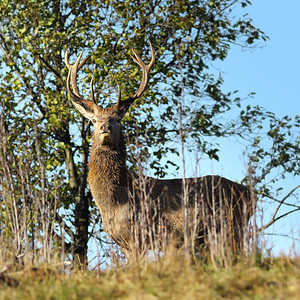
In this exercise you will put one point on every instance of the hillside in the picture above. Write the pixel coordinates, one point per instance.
(168, 279)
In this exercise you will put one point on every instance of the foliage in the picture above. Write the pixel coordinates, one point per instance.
(187, 36)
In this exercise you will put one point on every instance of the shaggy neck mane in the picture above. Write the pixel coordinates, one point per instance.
(108, 174)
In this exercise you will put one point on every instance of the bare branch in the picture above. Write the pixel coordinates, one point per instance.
(274, 218)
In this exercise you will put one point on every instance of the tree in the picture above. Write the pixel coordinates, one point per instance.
(187, 36)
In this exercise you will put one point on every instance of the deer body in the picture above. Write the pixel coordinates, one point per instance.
(116, 191)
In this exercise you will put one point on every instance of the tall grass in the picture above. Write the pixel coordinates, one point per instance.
(210, 229)
(225, 262)
(29, 202)
(33, 232)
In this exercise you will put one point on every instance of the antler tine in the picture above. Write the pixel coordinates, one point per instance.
(92, 92)
(73, 69)
(119, 94)
(145, 78)
(73, 73)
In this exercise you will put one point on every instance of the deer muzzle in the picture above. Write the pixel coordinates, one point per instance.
(105, 129)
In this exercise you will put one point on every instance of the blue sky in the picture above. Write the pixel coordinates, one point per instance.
(273, 73)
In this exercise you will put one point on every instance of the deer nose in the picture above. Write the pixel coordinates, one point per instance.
(105, 128)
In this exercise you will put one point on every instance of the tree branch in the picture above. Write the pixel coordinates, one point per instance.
(274, 218)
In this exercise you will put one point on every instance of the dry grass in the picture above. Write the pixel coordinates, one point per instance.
(169, 278)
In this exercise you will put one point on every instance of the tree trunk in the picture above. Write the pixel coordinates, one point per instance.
(81, 199)
(81, 231)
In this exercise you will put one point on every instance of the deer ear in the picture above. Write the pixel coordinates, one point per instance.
(86, 111)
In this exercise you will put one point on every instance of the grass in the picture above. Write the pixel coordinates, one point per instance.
(169, 279)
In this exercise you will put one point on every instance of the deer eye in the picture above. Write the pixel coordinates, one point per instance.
(94, 121)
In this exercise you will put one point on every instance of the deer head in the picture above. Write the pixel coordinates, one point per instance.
(106, 121)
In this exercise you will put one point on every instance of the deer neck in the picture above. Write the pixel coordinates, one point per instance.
(108, 175)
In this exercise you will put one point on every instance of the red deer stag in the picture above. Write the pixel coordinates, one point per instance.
(117, 192)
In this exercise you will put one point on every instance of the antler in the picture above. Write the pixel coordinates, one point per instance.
(121, 105)
(73, 69)
(145, 78)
